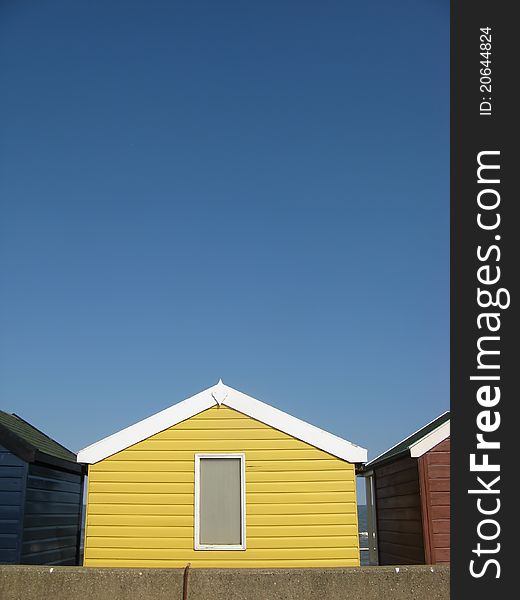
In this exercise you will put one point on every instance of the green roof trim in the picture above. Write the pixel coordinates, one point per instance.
(404, 446)
(33, 437)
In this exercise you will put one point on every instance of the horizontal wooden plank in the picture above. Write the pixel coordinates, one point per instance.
(441, 526)
(385, 558)
(212, 424)
(308, 509)
(222, 445)
(10, 512)
(280, 471)
(96, 508)
(441, 555)
(252, 509)
(256, 498)
(10, 460)
(11, 471)
(306, 487)
(400, 526)
(174, 465)
(56, 474)
(440, 512)
(253, 531)
(218, 413)
(404, 476)
(251, 487)
(437, 458)
(49, 520)
(261, 520)
(439, 485)
(412, 553)
(11, 484)
(250, 430)
(176, 477)
(395, 466)
(407, 501)
(34, 495)
(253, 455)
(43, 533)
(190, 555)
(139, 520)
(40, 508)
(396, 514)
(8, 541)
(297, 542)
(9, 526)
(441, 540)
(39, 483)
(410, 487)
(229, 563)
(440, 498)
(300, 497)
(10, 498)
(414, 540)
(139, 487)
(186, 543)
(8, 555)
(61, 556)
(45, 545)
(252, 476)
(438, 472)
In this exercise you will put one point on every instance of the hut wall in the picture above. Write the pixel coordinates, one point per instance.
(52, 516)
(398, 509)
(434, 469)
(300, 501)
(13, 472)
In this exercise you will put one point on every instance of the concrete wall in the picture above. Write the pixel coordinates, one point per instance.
(365, 583)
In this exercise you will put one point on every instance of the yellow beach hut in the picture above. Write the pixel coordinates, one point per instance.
(222, 480)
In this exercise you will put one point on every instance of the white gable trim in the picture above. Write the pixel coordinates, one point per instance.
(223, 394)
(430, 441)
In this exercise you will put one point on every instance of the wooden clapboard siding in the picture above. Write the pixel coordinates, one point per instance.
(52, 516)
(398, 509)
(301, 506)
(13, 472)
(434, 469)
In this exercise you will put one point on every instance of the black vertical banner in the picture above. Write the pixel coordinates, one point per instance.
(485, 251)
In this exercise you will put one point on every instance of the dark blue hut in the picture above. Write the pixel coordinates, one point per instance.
(41, 489)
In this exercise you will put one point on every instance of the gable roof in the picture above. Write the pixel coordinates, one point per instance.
(227, 396)
(418, 443)
(29, 443)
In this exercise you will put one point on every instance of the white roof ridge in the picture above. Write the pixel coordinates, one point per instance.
(217, 395)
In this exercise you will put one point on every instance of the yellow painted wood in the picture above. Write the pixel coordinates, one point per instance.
(141, 478)
(217, 556)
(255, 455)
(254, 476)
(303, 498)
(190, 446)
(300, 501)
(261, 487)
(141, 520)
(242, 433)
(184, 543)
(311, 532)
(277, 522)
(118, 465)
(230, 563)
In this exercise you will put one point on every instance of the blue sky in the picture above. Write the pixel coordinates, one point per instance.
(257, 191)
